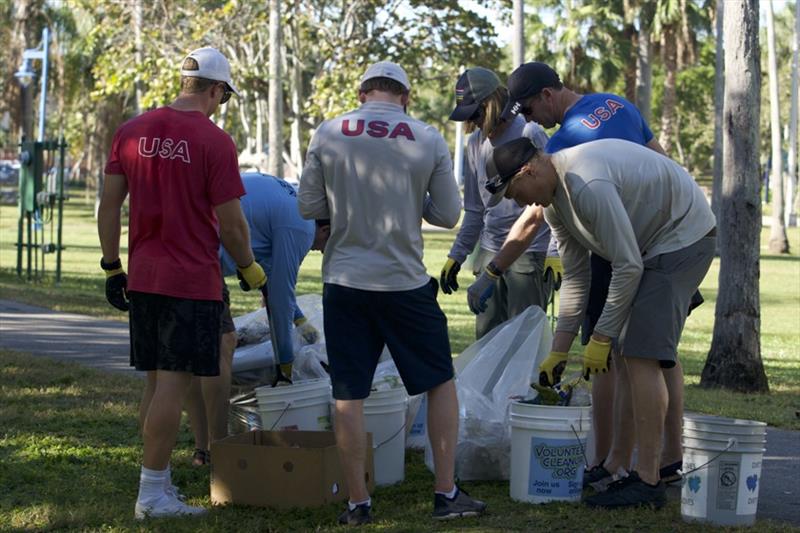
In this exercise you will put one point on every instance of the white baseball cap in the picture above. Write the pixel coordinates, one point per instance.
(212, 66)
(387, 69)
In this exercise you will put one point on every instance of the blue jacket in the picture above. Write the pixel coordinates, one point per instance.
(280, 239)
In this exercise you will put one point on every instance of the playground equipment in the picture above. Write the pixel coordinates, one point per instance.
(41, 206)
(41, 203)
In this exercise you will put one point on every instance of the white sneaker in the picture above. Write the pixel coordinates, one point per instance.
(173, 491)
(165, 505)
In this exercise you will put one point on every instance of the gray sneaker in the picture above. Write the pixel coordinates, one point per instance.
(460, 505)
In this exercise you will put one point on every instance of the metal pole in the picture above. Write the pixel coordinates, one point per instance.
(458, 157)
(62, 145)
(43, 98)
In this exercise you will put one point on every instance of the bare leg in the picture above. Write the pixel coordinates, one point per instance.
(443, 433)
(673, 425)
(624, 432)
(351, 440)
(163, 417)
(147, 396)
(195, 408)
(649, 395)
(602, 412)
(217, 390)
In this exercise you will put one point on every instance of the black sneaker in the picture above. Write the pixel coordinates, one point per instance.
(595, 474)
(358, 516)
(671, 473)
(630, 491)
(460, 505)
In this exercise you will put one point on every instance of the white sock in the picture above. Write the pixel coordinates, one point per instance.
(449, 495)
(352, 505)
(168, 477)
(151, 484)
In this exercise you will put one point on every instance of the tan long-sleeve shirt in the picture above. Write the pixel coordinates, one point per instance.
(376, 173)
(625, 203)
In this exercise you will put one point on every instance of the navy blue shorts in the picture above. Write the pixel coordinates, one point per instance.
(175, 334)
(411, 324)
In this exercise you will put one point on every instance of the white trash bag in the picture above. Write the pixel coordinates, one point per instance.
(495, 369)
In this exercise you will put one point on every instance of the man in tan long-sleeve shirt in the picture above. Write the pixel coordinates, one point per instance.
(376, 173)
(645, 214)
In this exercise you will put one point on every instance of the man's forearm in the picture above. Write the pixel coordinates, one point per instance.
(236, 240)
(109, 229)
(519, 237)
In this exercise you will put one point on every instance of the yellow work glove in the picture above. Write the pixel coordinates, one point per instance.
(553, 270)
(449, 277)
(596, 357)
(306, 330)
(551, 368)
(251, 277)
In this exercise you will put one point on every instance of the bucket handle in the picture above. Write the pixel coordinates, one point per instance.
(288, 405)
(731, 443)
(578, 440)
(376, 446)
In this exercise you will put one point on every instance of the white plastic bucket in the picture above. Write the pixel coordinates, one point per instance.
(303, 406)
(547, 452)
(722, 460)
(385, 418)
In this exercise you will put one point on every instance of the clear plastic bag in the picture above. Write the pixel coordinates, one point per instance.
(497, 369)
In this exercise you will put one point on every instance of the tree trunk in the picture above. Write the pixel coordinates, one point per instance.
(644, 70)
(778, 243)
(138, 52)
(792, 178)
(630, 35)
(734, 360)
(296, 141)
(518, 40)
(275, 166)
(670, 51)
(719, 96)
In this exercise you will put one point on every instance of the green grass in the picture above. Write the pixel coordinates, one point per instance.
(69, 456)
(69, 449)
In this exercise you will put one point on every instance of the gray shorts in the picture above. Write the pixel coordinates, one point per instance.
(662, 302)
(227, 319)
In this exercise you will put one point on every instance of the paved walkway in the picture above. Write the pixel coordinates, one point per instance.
(103, 344)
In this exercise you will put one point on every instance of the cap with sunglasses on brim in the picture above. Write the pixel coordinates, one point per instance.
(507, 159)
(472, 88)
(527, 81)
(212, 65)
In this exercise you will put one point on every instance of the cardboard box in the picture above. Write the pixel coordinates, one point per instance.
(280, 469)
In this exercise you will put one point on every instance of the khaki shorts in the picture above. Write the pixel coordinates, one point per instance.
(662, 302)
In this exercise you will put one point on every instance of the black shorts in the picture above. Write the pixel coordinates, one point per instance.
(411, 324)
(175, 334)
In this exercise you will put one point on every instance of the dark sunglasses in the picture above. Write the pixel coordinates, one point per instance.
(225, 95)
(477, 116)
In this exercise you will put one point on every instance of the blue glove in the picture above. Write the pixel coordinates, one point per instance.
(479, 292)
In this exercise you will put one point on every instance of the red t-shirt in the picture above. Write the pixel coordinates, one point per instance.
(178, 165)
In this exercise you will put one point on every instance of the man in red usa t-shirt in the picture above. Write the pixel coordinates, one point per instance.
(182, 175)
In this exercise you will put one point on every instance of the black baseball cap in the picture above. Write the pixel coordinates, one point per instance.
(526, 81)
(507, 159)
(472, 88)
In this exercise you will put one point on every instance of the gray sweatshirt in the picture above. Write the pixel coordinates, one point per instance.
(492, 224)
(376, 173)
(626, 203)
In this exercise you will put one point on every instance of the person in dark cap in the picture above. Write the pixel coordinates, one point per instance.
(501, 291)
(646, 215)
(537, 93)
